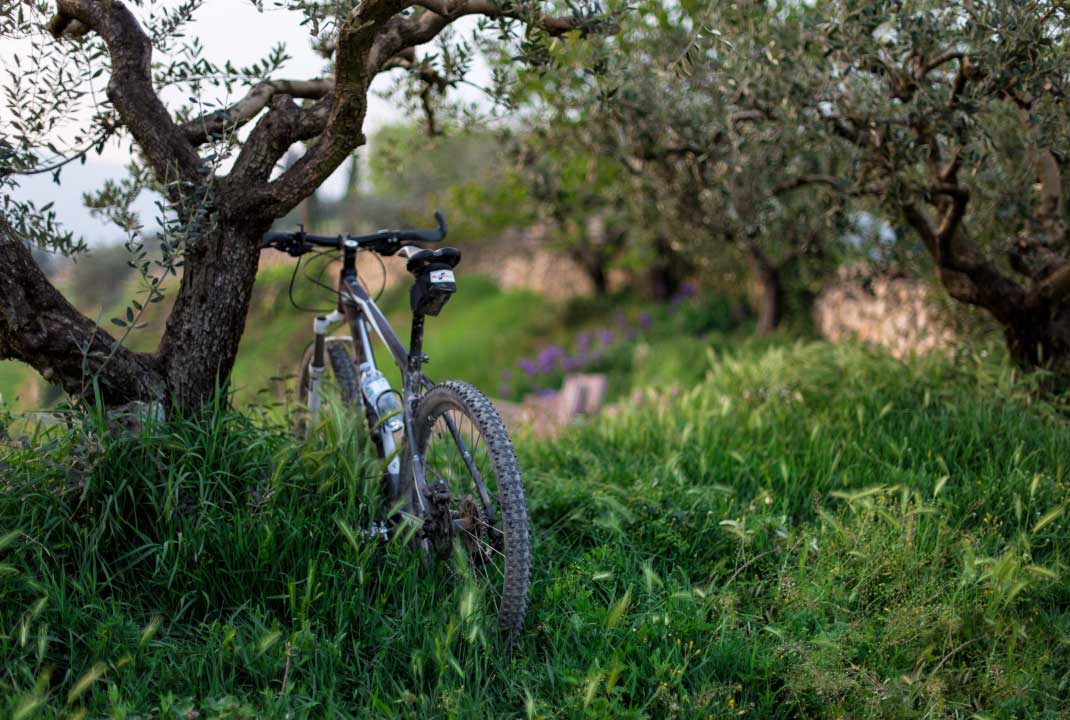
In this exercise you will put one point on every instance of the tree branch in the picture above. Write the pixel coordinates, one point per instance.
(1050, 215)
(941, 59)
(130, 87)
(422, 27)
(39, 327)
(284, 124)
(220, 122)
(430, 81)
(952, 218)
(805, 181)
(1052, 289)
(371, 41)
(964, 271)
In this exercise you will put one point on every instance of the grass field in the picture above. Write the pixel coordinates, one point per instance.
(810, 531)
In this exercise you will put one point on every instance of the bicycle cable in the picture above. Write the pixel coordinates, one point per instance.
(293, 280)
(318, 282)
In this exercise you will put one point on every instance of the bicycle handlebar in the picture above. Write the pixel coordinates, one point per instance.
(384, 242)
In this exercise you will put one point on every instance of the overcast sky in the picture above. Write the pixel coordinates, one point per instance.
(229, 29)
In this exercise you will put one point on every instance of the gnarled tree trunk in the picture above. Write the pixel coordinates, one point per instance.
(770, 291)
(665, 274)
(1042, 338)
(201, 341)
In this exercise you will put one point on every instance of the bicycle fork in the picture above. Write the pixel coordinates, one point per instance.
(318, 368)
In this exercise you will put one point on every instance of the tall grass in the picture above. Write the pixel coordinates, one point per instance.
(811, 531)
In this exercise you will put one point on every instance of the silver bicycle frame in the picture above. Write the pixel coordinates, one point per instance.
(362, 313)
(360, 310)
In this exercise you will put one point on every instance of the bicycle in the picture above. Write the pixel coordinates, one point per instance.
(446, 453)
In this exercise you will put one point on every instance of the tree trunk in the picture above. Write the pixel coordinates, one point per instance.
(770, 291)
(40, 327)
(203, 332)
(594, 269)
(599, 278)
(1041, 339)
(665, 273)
(353, 179)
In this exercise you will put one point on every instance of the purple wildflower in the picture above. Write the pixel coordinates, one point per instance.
(688, 290)
(644, 321)
(583, 343)
(503, 390)
(549, 358)
(507, 374)
(605, 336)
(528, 367)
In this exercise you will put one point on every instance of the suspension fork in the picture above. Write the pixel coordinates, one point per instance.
(320, 326)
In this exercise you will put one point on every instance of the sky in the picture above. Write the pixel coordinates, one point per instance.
(228, 29)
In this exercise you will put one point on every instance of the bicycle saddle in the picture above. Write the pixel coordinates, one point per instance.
(425, 259)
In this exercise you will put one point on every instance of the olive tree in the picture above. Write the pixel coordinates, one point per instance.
(958, 112)
(696, 102)
(217, 169)
(578, 193)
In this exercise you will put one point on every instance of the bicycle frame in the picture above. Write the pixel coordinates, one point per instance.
(358, 309)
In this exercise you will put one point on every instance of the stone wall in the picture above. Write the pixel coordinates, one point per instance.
(896, 314)
(525, 259)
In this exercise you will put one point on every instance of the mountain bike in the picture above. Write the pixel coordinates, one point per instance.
(449, 467)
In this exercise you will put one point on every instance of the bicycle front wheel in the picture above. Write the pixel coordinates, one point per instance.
(475, 494)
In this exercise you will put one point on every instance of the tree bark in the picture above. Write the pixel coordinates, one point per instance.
(594, 267)
(599, 278)
(40, 327)
(770, 291)
(664, 275)
(201, 341)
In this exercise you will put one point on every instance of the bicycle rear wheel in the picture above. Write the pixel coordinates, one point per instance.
(476, 495)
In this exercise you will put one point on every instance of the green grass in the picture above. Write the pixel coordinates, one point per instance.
(809, 531)
(12, 378)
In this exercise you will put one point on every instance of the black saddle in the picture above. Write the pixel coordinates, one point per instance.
(425, 260)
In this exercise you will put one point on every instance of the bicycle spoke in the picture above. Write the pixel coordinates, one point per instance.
(445, 463)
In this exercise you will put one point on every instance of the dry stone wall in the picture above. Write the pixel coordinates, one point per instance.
(896, 314)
